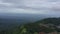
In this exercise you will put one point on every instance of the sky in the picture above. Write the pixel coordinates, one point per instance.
(30, 6)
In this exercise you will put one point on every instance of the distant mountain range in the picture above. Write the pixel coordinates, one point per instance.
(22, 17)
(8, 20)
(11, 20)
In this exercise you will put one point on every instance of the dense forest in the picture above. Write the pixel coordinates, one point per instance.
(45, 25)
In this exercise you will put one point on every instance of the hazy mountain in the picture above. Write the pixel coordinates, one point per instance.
(11, 20)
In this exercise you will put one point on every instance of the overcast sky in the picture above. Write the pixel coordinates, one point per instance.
(30, 6)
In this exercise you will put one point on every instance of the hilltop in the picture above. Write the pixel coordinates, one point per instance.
(45, 25)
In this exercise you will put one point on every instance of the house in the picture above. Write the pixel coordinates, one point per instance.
(58, 32)
(41, 32)
(58, 26)
(55, 32)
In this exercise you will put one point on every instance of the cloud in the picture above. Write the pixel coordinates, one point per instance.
(30, 6)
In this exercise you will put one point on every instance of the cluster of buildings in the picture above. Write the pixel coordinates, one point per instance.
(49, 33)
(52, 26)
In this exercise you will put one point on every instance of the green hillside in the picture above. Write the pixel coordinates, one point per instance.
(45, 25)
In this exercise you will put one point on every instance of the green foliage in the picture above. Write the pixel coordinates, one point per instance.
(34, 28)
(35, 32)
(55, 21)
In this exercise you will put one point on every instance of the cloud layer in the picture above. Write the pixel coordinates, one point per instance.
(30, 6)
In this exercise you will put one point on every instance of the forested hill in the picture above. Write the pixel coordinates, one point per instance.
(55, 21)
(45, 25)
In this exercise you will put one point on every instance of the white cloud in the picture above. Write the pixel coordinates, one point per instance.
(20, 11)
(30, 6)
(6, 4)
